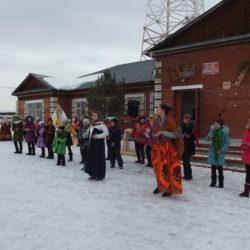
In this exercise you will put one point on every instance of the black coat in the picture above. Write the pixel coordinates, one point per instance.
(96, 163)
(189, 142)
(115, 136)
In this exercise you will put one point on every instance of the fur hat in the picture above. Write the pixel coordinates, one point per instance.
(86, 121)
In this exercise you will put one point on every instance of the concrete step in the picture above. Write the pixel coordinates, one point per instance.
(206, 150)
(231, 160)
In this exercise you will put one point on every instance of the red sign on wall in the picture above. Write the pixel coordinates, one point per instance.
(211, 68)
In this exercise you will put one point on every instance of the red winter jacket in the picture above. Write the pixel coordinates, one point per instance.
(245, 146)
(139, 133)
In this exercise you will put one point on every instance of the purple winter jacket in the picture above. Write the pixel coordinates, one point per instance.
(30, 130)
(41, 138)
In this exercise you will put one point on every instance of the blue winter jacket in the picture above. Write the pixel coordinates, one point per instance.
(222, 151)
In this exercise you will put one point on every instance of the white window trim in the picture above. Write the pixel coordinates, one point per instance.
(34, 101)
(79, 100)
(134, 95)
(198, 86)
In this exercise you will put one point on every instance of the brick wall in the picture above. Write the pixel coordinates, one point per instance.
(235, 102)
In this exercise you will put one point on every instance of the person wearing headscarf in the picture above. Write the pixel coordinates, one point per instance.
(30, 135)
(17, 128)
(41, 138)
(69, 130)
(96, 163)
(165, 156)
(5, 131)
(218, 136)
(83, 133)
(49, 137)
(59, 145)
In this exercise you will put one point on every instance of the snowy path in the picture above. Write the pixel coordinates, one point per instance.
(48, 207)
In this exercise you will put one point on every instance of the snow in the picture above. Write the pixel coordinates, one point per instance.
(44, 206)
(70, 84)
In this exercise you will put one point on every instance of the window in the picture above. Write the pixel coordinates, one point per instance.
(135, 104)
(35, 109)
(80, 110)
(133, 108)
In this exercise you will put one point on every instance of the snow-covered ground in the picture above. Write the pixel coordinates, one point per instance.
(43, 206)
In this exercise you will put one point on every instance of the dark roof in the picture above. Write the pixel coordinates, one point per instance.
(165, 42)
(131, 73)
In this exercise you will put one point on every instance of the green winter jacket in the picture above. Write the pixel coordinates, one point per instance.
(59, 143)
(17, 129)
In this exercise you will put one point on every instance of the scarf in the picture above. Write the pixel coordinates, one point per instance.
(218, 141)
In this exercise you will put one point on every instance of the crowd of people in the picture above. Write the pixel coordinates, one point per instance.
(158, 139)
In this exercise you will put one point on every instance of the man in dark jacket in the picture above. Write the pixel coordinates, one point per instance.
(187, 130)
(115, 136)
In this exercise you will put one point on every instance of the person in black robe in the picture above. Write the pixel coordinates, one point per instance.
(96, 163)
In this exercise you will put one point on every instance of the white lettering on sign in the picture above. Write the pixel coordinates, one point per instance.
(211, 68)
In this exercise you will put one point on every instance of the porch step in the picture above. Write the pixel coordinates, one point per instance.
(231, 160)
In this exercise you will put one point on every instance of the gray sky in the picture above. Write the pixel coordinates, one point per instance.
(66, 38)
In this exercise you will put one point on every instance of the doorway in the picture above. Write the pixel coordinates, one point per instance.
(187, 102)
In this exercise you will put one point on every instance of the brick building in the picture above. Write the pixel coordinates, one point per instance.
(204, 68)
(38, 95)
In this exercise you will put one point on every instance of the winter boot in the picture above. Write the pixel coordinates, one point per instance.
(43, 153)
(221, 181)
(166, 194)
(246, 191)
(16, 147)
(70, 157)
(63, 161)
(156, 191)
(21, 148)
(213, 178)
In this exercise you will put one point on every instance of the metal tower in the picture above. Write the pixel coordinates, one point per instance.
(164, 17)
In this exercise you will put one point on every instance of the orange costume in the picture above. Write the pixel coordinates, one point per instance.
(165, 159)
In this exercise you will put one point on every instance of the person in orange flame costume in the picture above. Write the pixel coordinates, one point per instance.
(165, 157)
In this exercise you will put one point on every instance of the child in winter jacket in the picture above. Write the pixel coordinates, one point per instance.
(115, 137)
(219, 137)
(17, 128)
(187, 130)
(245, 146)
(139, 137)
(41, 132)
(83, 134)
(69, 131)
(59, 145)
(148, 135)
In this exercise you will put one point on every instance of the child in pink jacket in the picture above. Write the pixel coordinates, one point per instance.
(245, 146)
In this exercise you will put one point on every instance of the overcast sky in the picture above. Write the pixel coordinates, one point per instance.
(66, 38)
